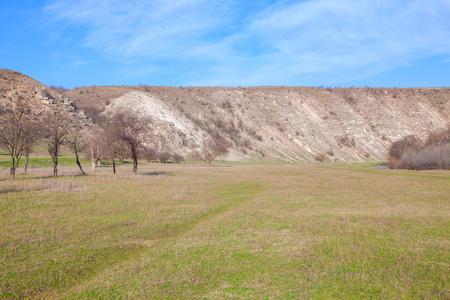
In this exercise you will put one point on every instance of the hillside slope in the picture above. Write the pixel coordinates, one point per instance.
(291, 124)
(42, 98)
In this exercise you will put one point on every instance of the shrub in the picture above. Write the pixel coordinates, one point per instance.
(178, 158)
(439, 138)
(430, 157)
(330, 152)
(59, 89)
(163, 156)
(410, 153)
(347, 141)
(398, 148)
(321, 157)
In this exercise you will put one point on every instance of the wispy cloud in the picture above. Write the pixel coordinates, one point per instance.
(262, 42)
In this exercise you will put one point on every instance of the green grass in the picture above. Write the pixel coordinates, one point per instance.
(39, 162)
(240, 231)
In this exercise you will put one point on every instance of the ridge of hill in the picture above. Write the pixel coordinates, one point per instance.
(290, 124)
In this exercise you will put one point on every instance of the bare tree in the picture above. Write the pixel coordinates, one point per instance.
(211, 150)
(115, 147)
(32, 133)
(95, 147)
(75, 144)
(149, 153)
(178, 158)
(14, 128)
(133, 131)
(56, 131)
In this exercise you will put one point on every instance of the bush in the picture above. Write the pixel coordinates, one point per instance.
(347, 141)
(178, 158)
(321, 157)
(428, 158)
(163, 156)
(398, 148)
(439, 138)
(410, 153)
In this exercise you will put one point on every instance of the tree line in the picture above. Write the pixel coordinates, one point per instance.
(126, 134)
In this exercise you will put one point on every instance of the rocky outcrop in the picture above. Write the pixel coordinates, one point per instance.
(42, 98)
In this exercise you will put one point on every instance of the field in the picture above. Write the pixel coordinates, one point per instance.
(228, 231)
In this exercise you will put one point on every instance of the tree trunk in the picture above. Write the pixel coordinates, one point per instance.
(114, 166)
(135, 164)
(26, 163)
(79, 165)
(134, 155)
(55, 168)
(93, 160)
(93, 165)
(12, 168)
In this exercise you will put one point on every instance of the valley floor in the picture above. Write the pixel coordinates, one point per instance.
(268, 231)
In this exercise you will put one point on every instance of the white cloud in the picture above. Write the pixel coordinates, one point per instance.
(258, 43)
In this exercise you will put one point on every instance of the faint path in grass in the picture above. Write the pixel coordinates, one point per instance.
(234, 194)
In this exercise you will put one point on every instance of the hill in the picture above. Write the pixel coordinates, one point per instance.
(42, 98)
(291, 124)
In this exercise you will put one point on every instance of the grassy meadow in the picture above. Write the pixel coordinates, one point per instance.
(238, 231)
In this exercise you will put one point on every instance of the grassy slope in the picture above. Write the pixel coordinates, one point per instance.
(245, 231)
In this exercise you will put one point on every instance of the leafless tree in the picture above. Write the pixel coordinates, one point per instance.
(134, 130)
(32, 134)
(115, 147)
(164, 156)
(16, 130)
(211, 150)
(56, 130)
(75, 144)
(178, 158)
(149, 153)
(95, 146)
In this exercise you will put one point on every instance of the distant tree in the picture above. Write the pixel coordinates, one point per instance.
(149, 153)
(59, 89)
(75, 144)
(133, 131)
(211, 150)
(177, 158)
(164, 156)
(15, 126)
(56, 130)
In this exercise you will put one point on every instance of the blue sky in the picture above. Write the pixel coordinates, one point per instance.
(389, 43)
